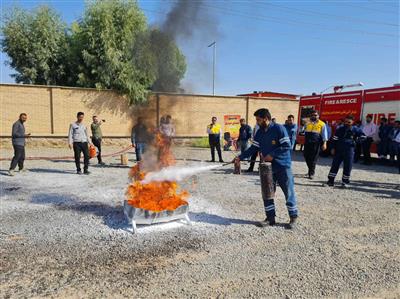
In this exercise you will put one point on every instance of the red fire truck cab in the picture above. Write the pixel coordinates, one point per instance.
(377, 102)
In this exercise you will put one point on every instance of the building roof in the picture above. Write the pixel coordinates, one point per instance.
(262, 94)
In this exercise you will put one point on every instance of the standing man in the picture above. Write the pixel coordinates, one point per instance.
(244, 135)
(255, 155)
(343, 144)
(291, 129)
(214, 137)
(274, 145)
(395, 143)
(97, 136)
(167, 130)
(18, 142)
(140, 138)
(369, 129)
(384, 132)
(358, 147)
(78, 139)
(315, 135)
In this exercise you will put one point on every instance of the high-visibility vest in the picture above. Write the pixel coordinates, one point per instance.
(313, 131)
(216, 129)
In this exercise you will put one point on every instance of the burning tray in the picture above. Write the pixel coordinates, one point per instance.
(140, 216)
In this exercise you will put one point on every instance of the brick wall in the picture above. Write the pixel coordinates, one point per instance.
(51, 109)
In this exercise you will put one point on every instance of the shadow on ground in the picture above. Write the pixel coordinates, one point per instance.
(48, 170)
(113, 215)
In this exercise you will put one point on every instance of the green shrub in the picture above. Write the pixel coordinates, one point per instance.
(201, 142)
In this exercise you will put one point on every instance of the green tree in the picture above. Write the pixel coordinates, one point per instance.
(107, 35)
(110, 47)
(36, 42)
(169, 62)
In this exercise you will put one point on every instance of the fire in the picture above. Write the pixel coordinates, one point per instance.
(156, 196)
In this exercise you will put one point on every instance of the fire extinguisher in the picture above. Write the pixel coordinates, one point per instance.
(92, 151)
(236, 169)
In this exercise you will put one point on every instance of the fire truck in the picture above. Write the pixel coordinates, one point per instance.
(332, 107)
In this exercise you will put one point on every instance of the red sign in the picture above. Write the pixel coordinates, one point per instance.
(337, 106)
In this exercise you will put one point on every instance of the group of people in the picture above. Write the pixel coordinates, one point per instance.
(80, 140)
(272, 142)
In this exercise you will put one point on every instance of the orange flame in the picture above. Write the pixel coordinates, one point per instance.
(156, 196)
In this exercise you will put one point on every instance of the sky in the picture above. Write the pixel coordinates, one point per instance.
(295, 47)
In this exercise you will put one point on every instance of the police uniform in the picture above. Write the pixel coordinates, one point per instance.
(315, 134)
(274, 141)
(214, 137)
(343, 143)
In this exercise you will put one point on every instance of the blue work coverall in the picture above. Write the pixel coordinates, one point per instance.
(343, 142)
(274, 141)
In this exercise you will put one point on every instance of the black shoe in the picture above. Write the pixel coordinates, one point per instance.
(102, 163)
(343, 186)
(311, 176)
(266, 223)
(292, 223)
(78, 172)
(249, 170)
(87, 172)
(221, 161)
(330, 184)
(211, 161)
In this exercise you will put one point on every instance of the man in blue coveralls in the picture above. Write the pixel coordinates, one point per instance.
(291, 129)
(274, 145)
(343, 144)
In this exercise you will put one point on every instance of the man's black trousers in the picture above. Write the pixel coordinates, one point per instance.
(97, 143)
(19, 157)
(311, 153)
(81, 147)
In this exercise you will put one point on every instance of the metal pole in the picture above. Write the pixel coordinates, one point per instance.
(214, 44)
(214, 62)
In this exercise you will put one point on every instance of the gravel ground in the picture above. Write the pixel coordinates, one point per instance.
(64, 235)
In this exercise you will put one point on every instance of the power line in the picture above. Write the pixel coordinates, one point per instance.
(371, 9)
(288, 34)
(311, 12)
(294, 22)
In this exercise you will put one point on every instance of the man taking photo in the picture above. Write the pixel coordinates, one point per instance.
(97, 136)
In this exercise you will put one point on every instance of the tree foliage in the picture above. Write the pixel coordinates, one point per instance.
(36, 44)
(110, 47)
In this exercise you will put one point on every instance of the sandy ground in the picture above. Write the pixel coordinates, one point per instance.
(64, 235)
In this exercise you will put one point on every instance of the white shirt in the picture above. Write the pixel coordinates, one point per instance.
(369, 129)
(78, 133)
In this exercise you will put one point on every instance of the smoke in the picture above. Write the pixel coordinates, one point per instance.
(193, 27)
(176, 174)
(185, 18)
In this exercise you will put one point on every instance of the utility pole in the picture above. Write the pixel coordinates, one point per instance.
(214, 44)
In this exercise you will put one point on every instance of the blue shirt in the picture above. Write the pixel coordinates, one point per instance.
(384, 131)
(329, 131)
(244, 132)
(273, 141)
(292, 132)
(345, 137)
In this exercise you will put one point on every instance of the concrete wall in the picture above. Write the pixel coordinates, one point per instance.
(51, 109)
